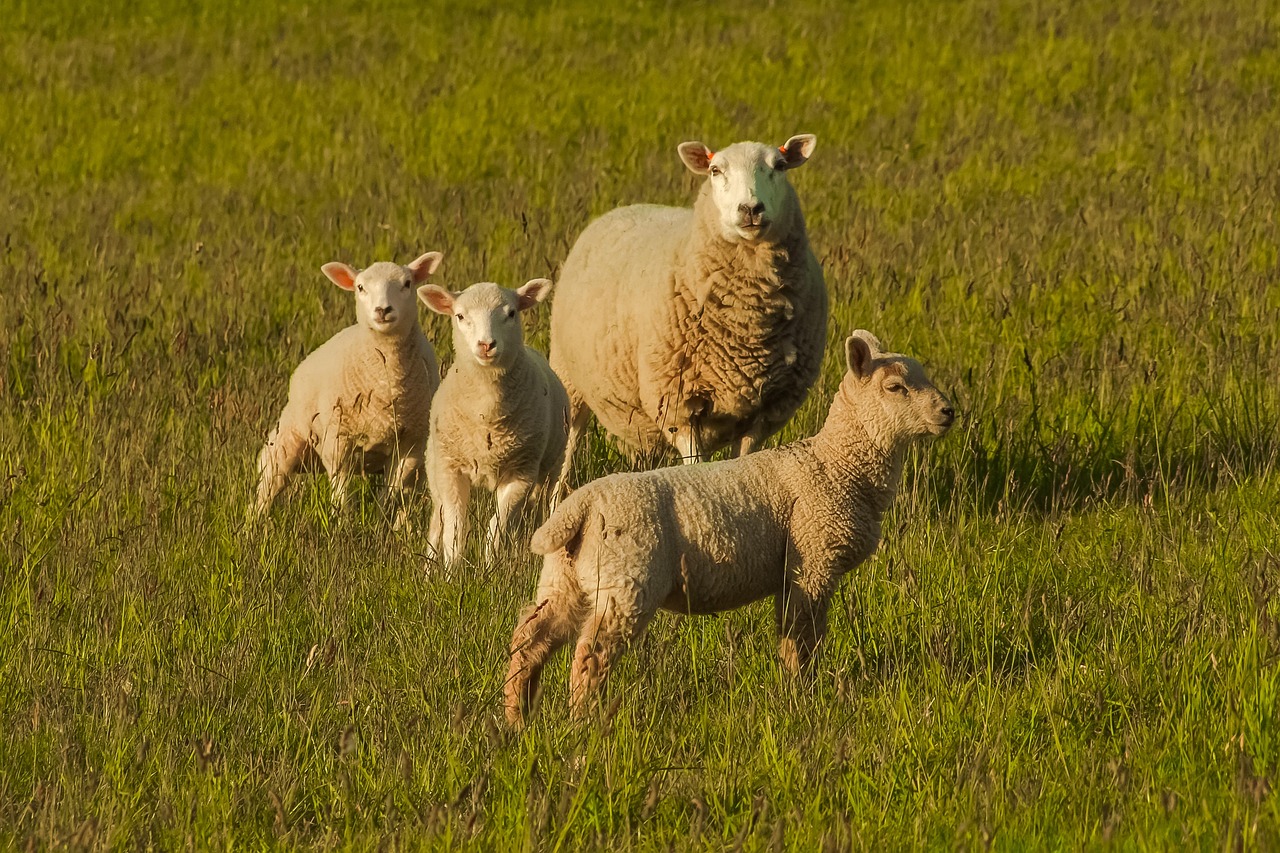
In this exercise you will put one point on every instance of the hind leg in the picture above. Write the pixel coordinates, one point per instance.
(607, 633)
(279, 458)
(579, 417)
(541, 630)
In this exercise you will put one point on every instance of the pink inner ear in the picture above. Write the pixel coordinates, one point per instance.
(438, 300)
(340, 274)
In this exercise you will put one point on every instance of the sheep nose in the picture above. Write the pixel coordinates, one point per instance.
(486, 347)
(948, 413)
(382, 313)
(751, 209)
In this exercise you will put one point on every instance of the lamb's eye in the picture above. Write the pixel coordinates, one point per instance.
(360, 287)
(779, 165)
(511, 312)
(716, 171)
(459, 316)
(896, 388)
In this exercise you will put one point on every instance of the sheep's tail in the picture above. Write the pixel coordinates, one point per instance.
(563, 527)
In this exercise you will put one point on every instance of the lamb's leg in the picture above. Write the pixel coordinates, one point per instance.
(802, 623)
(403, 474)
(749, 443)
(579, 417)
(512, 497)
(279, 458)
(450, 494)
(688, 446)
(541, 630)
(604, 637)
(335, 455)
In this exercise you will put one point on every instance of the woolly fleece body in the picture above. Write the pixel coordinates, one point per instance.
(360, 401)
(672, 333)
(499, 425)
(788, 522)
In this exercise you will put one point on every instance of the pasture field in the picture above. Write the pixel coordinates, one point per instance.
(1070, 637)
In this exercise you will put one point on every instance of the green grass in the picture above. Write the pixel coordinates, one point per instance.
(1070, 636)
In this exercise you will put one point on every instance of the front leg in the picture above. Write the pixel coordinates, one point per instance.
(450, 494)
(512, 497)
(802, 623)
(403, 474)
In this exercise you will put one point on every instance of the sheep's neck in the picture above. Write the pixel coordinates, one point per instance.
(501, 377)
(399, 354)
(860, 463)
(761, 260)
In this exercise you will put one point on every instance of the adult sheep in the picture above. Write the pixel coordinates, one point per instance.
(697, 328)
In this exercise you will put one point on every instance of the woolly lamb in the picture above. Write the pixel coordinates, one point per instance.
(501, 417)
(700, 328)
(361, 400)
(788, 523)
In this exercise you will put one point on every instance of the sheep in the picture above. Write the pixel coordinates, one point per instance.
(361, 399)
(701, 328)
(787, 522)
(500, 418)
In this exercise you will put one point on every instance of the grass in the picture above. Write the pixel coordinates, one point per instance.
(1070, 637)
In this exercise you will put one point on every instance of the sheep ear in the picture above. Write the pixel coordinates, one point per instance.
(340, 274)
(533, 292)
(696, 157)
(858, 353)
(798, 149)
(425, 265)
(436, 298)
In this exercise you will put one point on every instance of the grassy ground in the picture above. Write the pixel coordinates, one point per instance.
(1069, 637)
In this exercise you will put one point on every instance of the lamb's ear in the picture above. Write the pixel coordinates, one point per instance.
(437, 298)
(340, 274)
(425, 265)
(798, 149)
(696, 157)
(859, 349)
(533, 292)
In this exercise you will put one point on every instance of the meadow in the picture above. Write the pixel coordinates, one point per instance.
(1071, 634)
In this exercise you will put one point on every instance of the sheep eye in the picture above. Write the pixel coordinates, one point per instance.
(896, 388)
(458, 315)
(716, 170)
(779, 165)
(360, 287)
(511, 312)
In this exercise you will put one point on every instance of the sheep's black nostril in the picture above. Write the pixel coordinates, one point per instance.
(948, 412)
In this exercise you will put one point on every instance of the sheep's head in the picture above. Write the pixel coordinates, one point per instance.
(384, 292)
(485, 318)
(748, 182)
(894, 397)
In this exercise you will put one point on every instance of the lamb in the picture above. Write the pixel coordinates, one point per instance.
(700, 328)
(501, 417)
(787, 523)
(361, 399)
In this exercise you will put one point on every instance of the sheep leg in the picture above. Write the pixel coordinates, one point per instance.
(404, 473)
(603, 638)
(802, 623)
(749, 443)
(579, 416)
(450, 494)
(280, 457)
(540, 632)
(335, 454)
(512, 498)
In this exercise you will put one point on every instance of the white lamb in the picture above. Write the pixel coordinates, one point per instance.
(500, 418)
(361, 399)
(787, 523)
(699, 328)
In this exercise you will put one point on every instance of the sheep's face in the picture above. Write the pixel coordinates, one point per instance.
(748, 183)
(895, 394)
(385, 297)
(486, 318)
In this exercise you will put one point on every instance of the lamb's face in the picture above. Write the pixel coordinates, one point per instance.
(385, 298)
(486, 318)
(748, 183)
(895, 392)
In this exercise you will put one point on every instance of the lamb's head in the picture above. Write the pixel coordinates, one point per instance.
(894, 398)
(749, 184)
(385, 302)
(485, 316)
